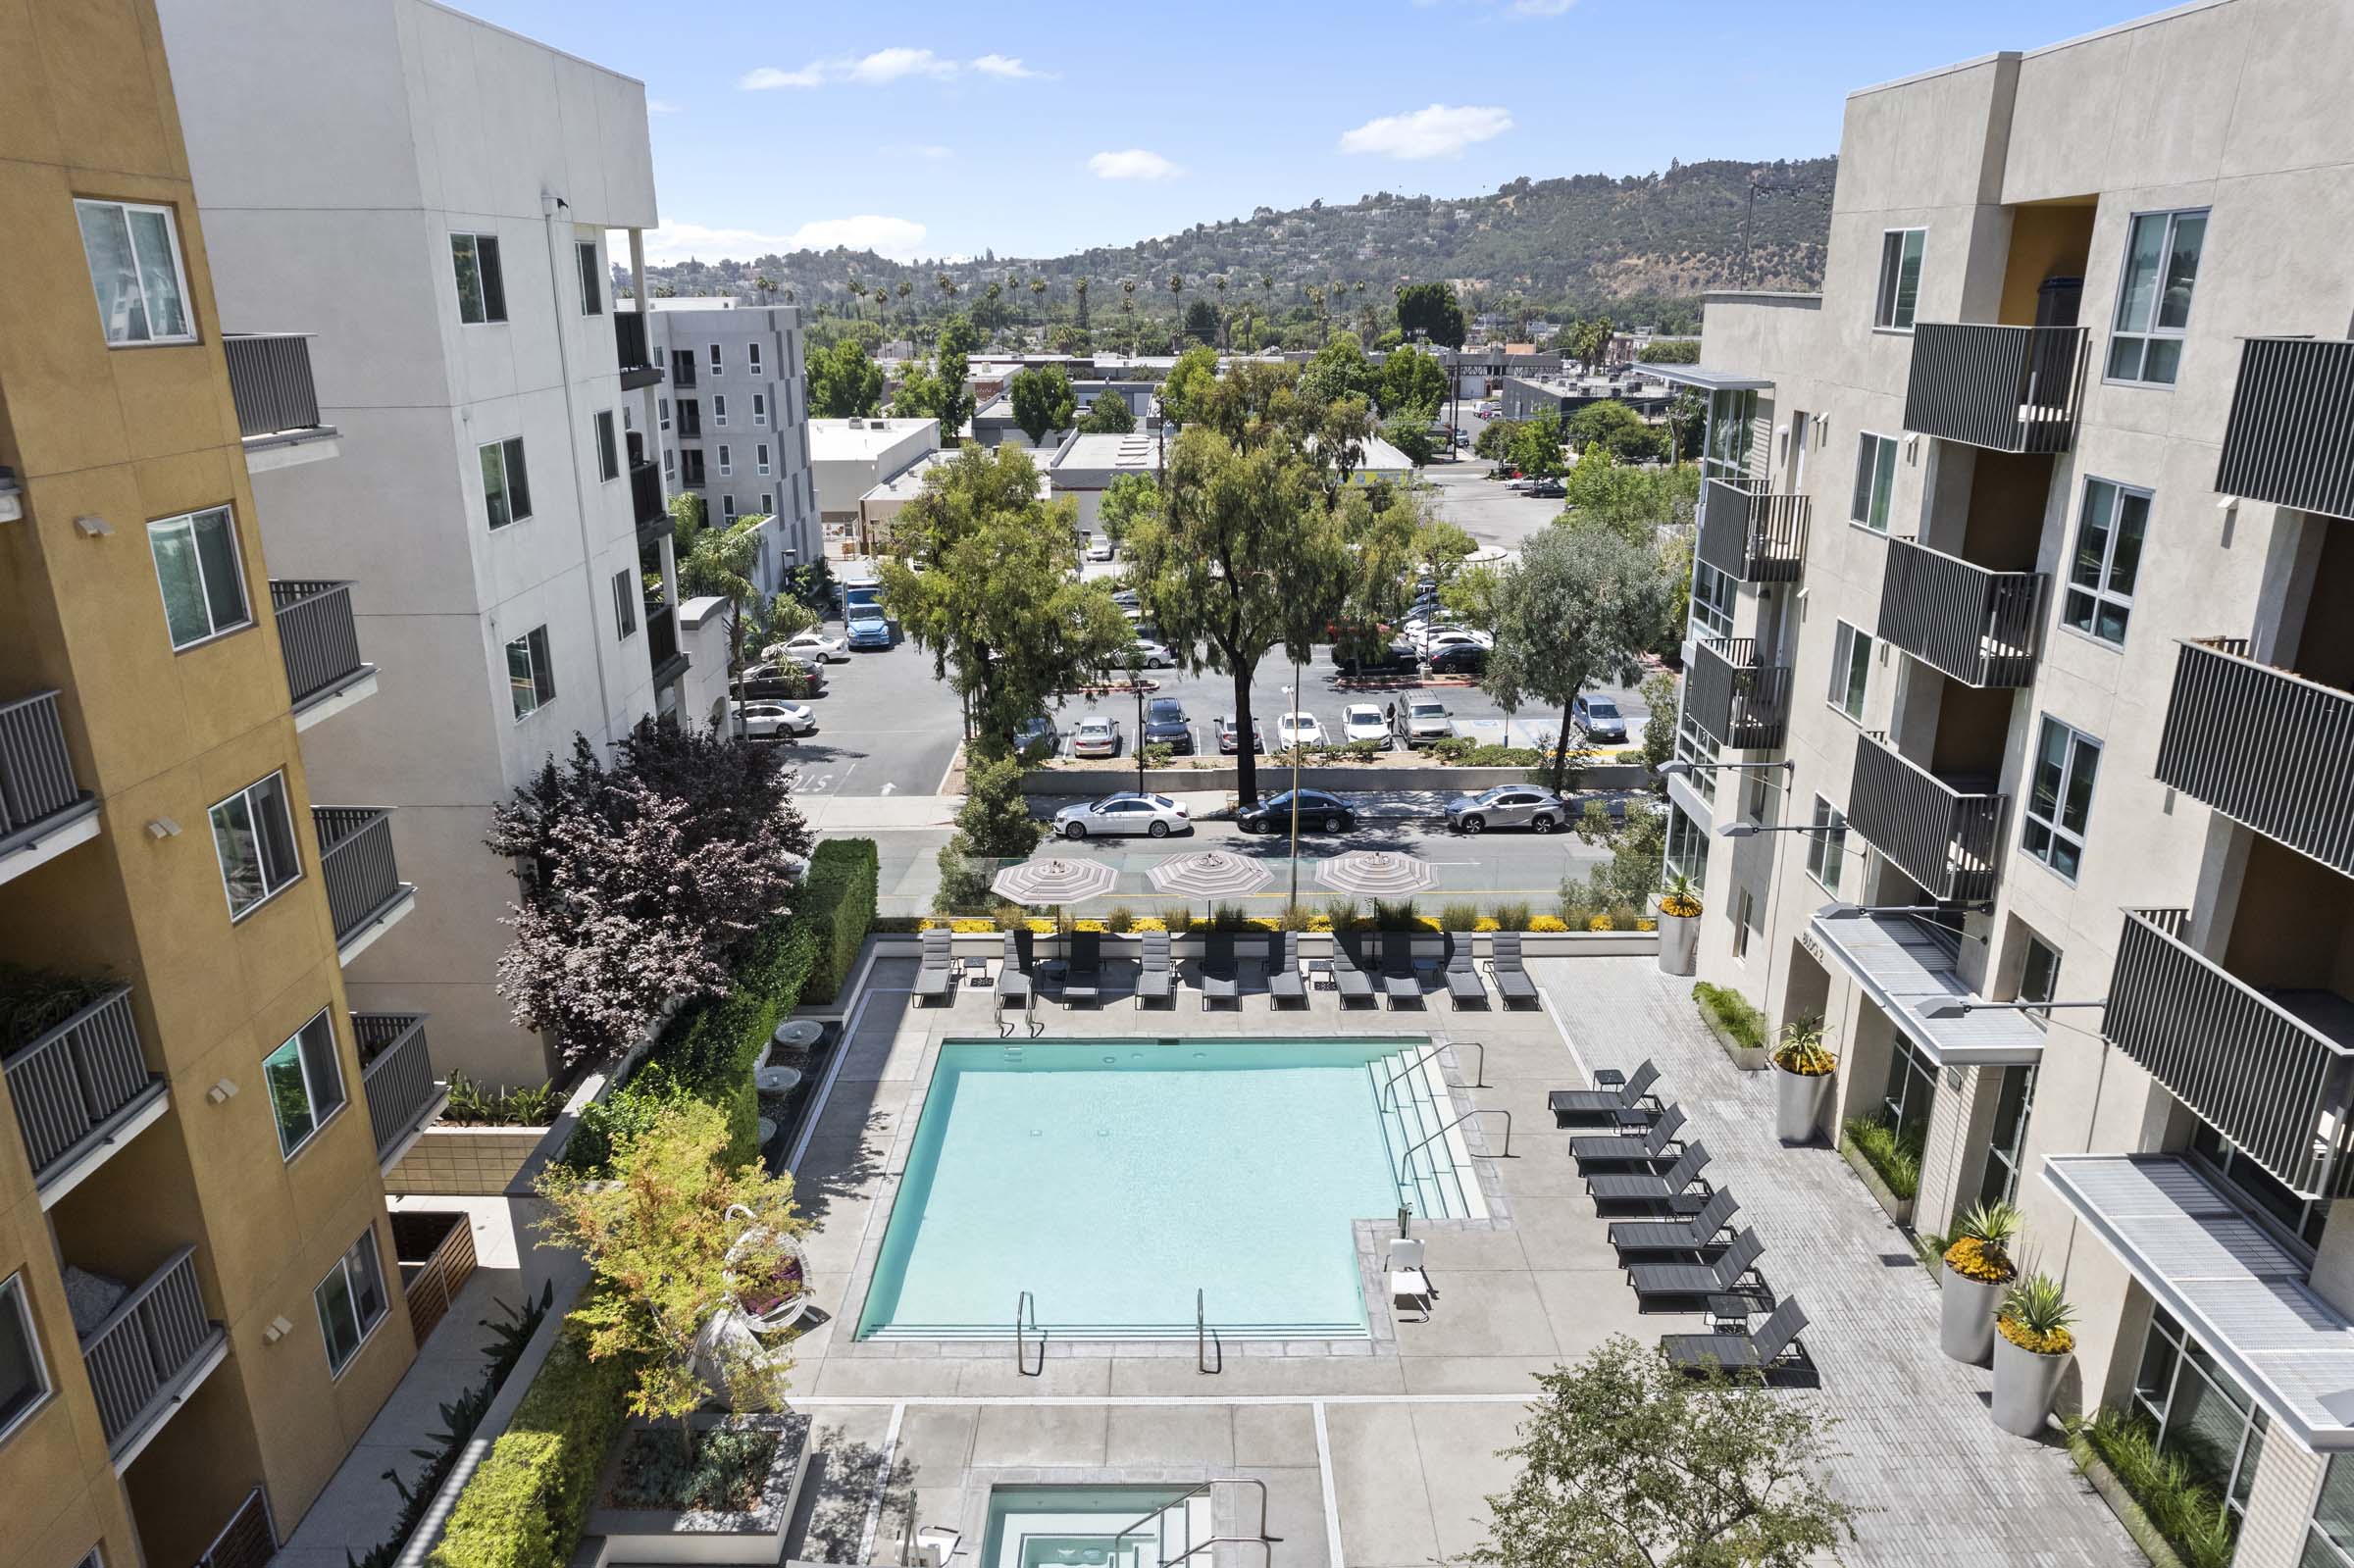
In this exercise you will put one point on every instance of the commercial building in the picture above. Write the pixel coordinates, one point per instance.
(2012, 639)
(429, 197)
(200, 1307)
(849, 457)
(1085, 465)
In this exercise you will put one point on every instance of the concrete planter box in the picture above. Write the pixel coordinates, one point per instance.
(2024, 1387)
(1748, 1058)
(663, 1534)
(1965, 1316)
(1798, 1103)
(2147, 1535)
(1899, 1209)
(1679, 945)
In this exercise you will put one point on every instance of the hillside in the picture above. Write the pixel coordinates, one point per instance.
(1573, 243)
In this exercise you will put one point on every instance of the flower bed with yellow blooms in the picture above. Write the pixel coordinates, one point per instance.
(1972, 1259)
(2057, 1343)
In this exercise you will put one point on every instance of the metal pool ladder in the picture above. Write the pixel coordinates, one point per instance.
(1026, 1305)
(1391, 1081)
(1261, 1538)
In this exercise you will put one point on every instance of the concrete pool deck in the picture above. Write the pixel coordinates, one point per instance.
(1378, 1452)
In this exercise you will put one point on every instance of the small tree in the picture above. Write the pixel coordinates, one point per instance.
(1638, 845)
(1042, 400)
(721, 565)
(1411, 382)
(1580, 608)
(1127, 500)
(1109, 414)
(993, 824)
(1658, 730)
(1629, 1464)
(842, 383)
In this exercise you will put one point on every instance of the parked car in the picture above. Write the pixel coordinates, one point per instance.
(1152, 655)
(1598, 719)
(1362, 721)
(1319, 812)
(1508, 806)
(1424, 720)
(1459, 658)
(1298, 729)
(1157, 816)
(869, 630)
(1548, 489)
(769, 721)
(1166, 724)
(1127, 600)
(1230, 737)
(1037, 737)
(1440, 640)
(1095, 736)
(1099, 548)
(785, 679)
(813, 647)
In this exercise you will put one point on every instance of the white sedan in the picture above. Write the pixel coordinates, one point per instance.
(1099, 548)
(1362, 721)
(816, 647)
(1153, 656)
(766, 721)
(1156, 815)
(1095, 736)
(1296, 728)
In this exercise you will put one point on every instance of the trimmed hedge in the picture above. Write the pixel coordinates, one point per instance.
(838, 902)
(1733, 1014)
(526, 1504)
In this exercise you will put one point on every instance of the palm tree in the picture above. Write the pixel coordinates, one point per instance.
(1315, 302)
(906, 287)
(946, 285)
(765, 286)
(1038, 297)
(1225, 335)
(1079, 288)
(858, 293)
(1177, 295)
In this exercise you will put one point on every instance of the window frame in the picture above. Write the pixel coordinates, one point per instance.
(1826, 845)
(1866, 498)
(2100, 593)
(759, 411)
(2150, 333)
(593, 271)
(12, 1289)
(719, 361)
(539, 665)
(768, 503)
(670, 462)
(285, 803)
(727, 505)
(489, 281)
(626, 594)
(662, 413)
(1693, 745)
(311, 1098)
(1888, 295)
(2028, 984)
(1706, 614)
(608, 448)
(227, 515)
(1743, 908)
(340, 1270)
(727, 459)
(179, 273)
(752, 356)
(2054, 831)
(760, 467)
(512, 460)
(1848, 642)
(719, 411)
(2007, 1149)
(1685, 852)
(1909, 1069)
(2169, 1342)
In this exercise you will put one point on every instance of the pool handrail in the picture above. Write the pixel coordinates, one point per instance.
(1407, 1165)
(1202, 1489)
(1383, 1099)
(1021, 1362)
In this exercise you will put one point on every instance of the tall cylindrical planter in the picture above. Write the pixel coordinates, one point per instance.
(2024, 1387)
(1679, 943)
(1798, 1103)
(1965, 1316)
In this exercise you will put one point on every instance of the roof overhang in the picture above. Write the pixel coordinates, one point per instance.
(1905, 963)
(2241, 1294)
(1707, 380)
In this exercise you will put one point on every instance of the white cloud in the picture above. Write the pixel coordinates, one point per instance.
(1009, 67)
(1539, 8)
(896, 237)
(661, 106)
(1133, 164)
(768, 77)
(887, 65)
(1438, 132)
(892, 65)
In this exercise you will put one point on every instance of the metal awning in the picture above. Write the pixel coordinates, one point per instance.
(1706, 378)
(2239, 1292)
(1903, 963)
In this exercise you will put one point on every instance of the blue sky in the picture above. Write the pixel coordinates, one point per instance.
(1034, 128)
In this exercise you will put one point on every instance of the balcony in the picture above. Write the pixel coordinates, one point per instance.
(662, 645)
(397, 1073)
(2290, 436)
(1973, 625)
(43, 809)
(691, 419)
(278, 406)
(2277, 1083)
(82, 1089)
(2005, 389)
(2266, 747)
(1942, 833)
(364, 892)
(321, 646)
(637, 365)
(681, 369)
(1735, 700)
(1752, 533)
(646, 502)
(149, 1353)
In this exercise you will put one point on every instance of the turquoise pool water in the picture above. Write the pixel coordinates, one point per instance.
(1072, 1527)
(1112, 1179)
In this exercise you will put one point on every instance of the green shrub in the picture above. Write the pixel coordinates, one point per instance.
(2186, 1508)
(1453, 749)
(1295, 916)
(1732, 1013)
(1229, 918)
(1515, 916)
(1895, 1157)
(1179, 919)
(1341, 913)
(1120, 921)
(472, 1105)
(838, 902)
(1458, 915)
(1157, 754)
(1400, 916)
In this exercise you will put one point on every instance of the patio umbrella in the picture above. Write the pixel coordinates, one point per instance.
(1209, 874)
(1054, 880)
(1375, 873)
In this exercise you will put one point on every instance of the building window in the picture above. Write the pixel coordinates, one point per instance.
(1732, 417)
(768, 503)
(1687, 851)
(2299, 1219)
(662, 412)
(608, 446)
(759, 408)
(1693, 745)
(751, 356)
(530, 675)
(306, 1083)
(719, 364)
(2153, 296)
(1743, 909)
(1712, 598)
(482, 287)
(134, 253)
(23, 1377)
(624, 603)
(351, 1300)
(593, 281)
(2038, 976)
(1875, 482)
(727, 505)
(196, 563)
(2006, 1142)
(2060, 797)
(760, 458)
(2100, 577)
(727, 461)
(670, 461)
(2202, 1414)
(1851, 670)
(1826, 846)
(2329, 1542)
(1900, 278)
(719, 409)
(253, 834)
(1912, 1089)
(506, 486)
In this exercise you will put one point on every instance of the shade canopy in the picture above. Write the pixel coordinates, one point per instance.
(1054, 880)
(1209, 874)
(1375, 873)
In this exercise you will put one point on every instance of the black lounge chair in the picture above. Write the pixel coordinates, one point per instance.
(1219, 983)
(1155, 978)
(1648, 1149)
(1013, 969)
(1284, 982)
(1083, 972)
(1657, 1282)
(1745, 1351)
(1648, 1188)
(936, 977)
(1677, 1238)
(1513, 982)
(1397, 977)
(1622, 1104)
(1462, 979)
(1348, 972)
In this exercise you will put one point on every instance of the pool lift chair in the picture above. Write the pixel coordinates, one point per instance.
(1402, 1260)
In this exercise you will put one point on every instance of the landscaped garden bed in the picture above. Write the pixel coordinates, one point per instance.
(727, 1498)
(1888, 1164)
(1737, 1025)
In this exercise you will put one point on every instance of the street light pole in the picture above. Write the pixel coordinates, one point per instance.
(1136, 681)
(1291, 697)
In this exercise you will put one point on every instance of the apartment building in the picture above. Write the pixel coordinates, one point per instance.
(439, 202)
(2017, 654)
(734, 421)
(199, 1302)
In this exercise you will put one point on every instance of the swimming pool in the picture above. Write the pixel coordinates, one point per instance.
(1092, 1527)
(1113, 1178)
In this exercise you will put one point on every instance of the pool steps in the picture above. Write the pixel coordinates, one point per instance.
(1442, 1184)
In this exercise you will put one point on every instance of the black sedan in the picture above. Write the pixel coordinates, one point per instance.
(1459, 658)
(1319, 812)
(1166, 724)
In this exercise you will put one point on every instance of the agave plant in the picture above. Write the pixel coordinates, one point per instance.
(1980, 1248)
(1801, 1050)
(1679, 898)
(2036, 1315)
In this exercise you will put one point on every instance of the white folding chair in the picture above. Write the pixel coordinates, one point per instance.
(935, 1544)
(1407, 1281)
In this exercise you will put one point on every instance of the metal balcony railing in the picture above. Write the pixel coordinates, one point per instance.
(2266, 747)
(637, 365)
(36, 771)
(355, 857)
(249, 1540)
(681, 368)
(1753, 534)
(316, 636)
(1979, 626)
(270, 378)
(645, 496)
(396, 1072)
(1941, 837)
(2263, 1077)
(76, 1082)
(662, 644)
(140, 1358)
(1739, 703)
(2290, 436)
(2005, 389)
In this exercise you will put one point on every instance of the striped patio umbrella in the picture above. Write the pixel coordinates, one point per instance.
(1054, 880)
(1209, 874)
(1375, 873)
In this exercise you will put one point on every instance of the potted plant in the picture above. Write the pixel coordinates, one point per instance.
(1680, 926)
(1979, 1269)
(2030, 1352)
(1802, 1080)
(767, 1275)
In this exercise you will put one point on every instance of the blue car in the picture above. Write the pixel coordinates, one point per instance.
(868, 629)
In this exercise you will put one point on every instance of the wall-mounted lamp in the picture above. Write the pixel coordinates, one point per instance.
(163, 828)
(223, 1091)
(92, 526)
(278, 1329)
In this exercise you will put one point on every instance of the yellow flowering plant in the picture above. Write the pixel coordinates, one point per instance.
(2035, 1316)
(1981, 1247)
(1802, 1051)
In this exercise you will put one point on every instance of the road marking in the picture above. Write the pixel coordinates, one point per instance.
(889, 789)
(1332, 1503)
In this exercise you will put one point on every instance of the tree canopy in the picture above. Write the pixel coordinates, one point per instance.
(1189, 382)
(1615, 429)
(1042, 400)
(1340, 369)
(1109, 414)
(1432, 310)
(1412, 381)
(1129, 497)
(1580, 608)
(842, 383)
(1536, 447)
(937, 394)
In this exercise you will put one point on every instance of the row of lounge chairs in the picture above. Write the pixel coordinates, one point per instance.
(1683, 1254)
